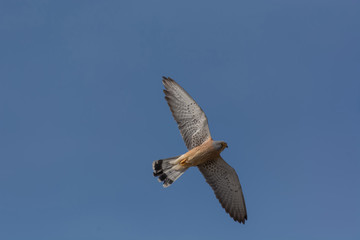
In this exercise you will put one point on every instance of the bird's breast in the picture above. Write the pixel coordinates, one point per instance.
(200, 154)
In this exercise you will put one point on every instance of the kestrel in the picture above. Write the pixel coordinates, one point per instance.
(203, 152)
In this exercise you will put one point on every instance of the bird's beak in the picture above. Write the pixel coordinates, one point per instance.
(226, 146)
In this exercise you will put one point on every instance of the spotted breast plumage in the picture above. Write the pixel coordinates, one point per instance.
(203, 153)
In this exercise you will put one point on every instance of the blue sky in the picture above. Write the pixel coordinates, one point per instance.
(82, 117)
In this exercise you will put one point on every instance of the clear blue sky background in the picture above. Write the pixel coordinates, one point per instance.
(82, 117)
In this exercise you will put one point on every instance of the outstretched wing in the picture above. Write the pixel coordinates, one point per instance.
(191, 119)
(224, 181)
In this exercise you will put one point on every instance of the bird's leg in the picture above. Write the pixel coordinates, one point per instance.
(183, 162)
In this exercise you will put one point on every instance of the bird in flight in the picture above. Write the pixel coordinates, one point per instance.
(203, 153)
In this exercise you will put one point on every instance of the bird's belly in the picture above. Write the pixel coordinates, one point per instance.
(199, 157)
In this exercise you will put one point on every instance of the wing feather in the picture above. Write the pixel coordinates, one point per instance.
(191, 119)
(226, 185)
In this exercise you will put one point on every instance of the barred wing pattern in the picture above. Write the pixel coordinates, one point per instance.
(191, 119)
(226, 185)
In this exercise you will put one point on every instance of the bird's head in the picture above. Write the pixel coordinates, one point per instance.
(220, 145)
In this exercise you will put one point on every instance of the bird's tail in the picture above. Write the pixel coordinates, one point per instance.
(168, 170)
